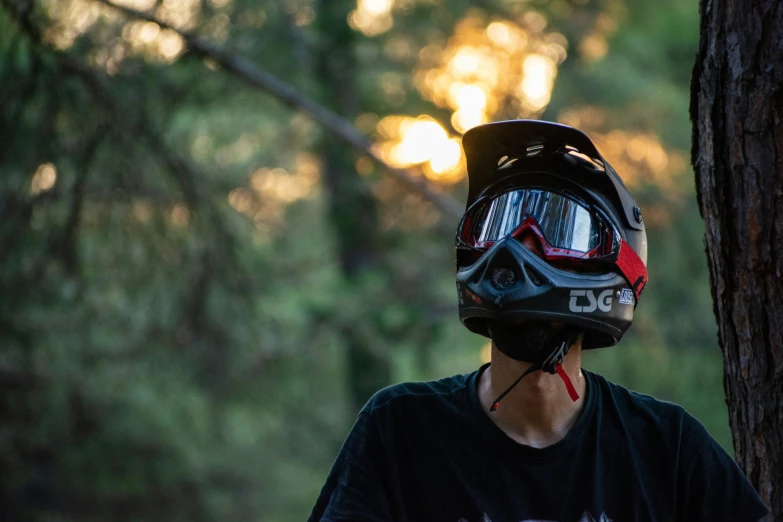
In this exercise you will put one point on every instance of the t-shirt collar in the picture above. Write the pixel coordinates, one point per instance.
(502, 442)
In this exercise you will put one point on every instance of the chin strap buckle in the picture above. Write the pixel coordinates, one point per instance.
(554, 365)
(555, 358)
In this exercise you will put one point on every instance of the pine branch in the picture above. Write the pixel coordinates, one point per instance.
(290, 96)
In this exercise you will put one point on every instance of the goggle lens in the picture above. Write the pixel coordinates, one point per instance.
(567, 227)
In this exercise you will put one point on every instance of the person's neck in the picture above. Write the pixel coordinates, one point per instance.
(538, 412)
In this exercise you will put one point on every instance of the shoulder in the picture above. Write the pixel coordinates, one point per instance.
(413, 394)
(643, 413)
(634, 401)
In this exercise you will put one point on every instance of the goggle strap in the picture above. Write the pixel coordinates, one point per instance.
(631, 266)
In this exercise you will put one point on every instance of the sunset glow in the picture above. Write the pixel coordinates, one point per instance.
(484, 71)
(502, 68)
(372, 17)
(421, 141)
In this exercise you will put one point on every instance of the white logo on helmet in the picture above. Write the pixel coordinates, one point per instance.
(626, 296)
(603, 303)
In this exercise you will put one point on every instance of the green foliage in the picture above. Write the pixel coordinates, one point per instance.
(176, 350)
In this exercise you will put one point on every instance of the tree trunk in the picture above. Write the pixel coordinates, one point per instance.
(352, 208)
(737, 114)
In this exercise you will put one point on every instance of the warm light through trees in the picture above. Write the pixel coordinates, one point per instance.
(199, 271)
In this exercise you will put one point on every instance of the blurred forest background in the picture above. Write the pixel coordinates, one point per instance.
(201, 286)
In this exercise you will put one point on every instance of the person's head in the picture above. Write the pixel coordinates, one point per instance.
(552, 247)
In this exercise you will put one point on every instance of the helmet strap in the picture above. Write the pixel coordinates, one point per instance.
(632, 267)
(552, 364)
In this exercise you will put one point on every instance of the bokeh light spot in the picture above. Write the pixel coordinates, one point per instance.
(372, 17)
(44, 179)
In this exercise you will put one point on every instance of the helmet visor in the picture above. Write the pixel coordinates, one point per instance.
(565, 227)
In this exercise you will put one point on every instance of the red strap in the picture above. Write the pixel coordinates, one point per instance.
(632, 268)
(569, 386)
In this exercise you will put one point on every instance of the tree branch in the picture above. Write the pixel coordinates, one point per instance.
(291, 97)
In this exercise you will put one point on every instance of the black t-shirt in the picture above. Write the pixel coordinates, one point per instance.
(428, 452)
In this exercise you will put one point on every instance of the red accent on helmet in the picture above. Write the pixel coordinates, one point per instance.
(632, 268)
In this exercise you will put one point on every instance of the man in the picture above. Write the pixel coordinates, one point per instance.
(551, 260)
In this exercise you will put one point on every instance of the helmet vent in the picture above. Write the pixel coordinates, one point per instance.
(595, 162)
(506, 162)
(503, 278)
(533, 276)
(534, 150)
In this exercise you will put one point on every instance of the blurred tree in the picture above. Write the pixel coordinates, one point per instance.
(201, 283)
(737, 112)
(351, 205)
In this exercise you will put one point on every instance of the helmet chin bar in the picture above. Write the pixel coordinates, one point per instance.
(552, 364)
(541, 293)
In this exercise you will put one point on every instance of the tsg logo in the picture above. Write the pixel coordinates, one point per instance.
(603, 303)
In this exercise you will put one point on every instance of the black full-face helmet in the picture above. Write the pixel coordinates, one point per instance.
(545, 182)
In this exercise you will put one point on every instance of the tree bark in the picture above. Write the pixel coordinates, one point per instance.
(737, 114)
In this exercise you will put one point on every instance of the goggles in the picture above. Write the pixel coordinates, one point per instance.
(568, 230)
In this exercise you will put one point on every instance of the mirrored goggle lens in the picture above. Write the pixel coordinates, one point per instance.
(564, 222)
